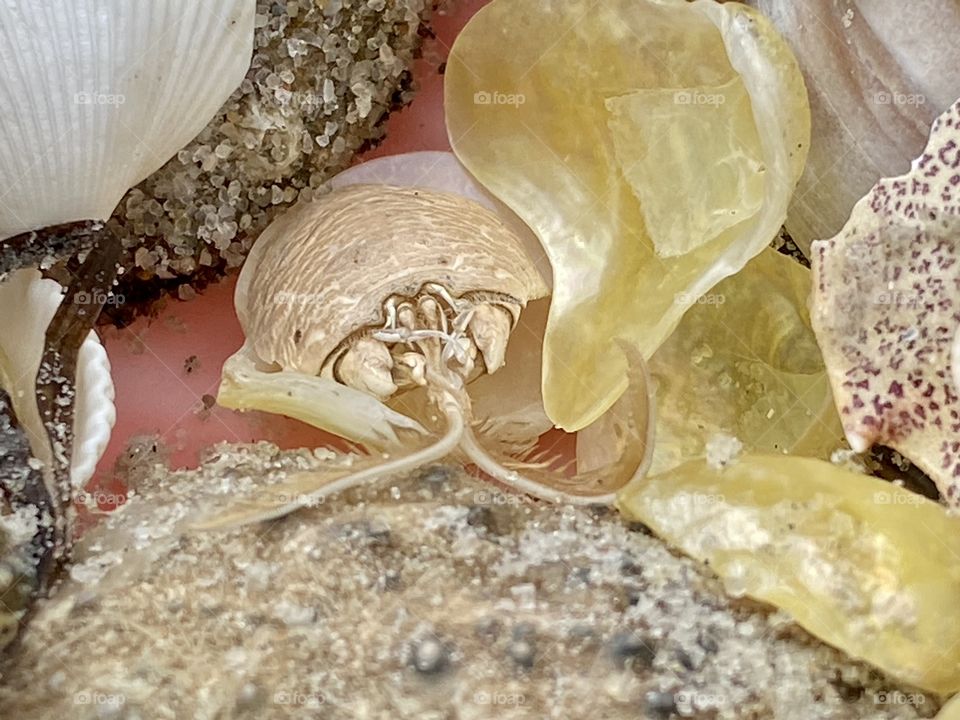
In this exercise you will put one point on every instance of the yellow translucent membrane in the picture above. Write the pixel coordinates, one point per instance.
(720, 178)
(744, 362)
(651, 146)
(862, 564)
(950, 711)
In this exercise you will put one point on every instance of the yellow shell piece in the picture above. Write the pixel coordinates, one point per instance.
(652, 146)
(950, 711)
(862, 564)
(744, 361)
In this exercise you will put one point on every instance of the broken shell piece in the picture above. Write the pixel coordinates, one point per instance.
(877, 76)
(744, 362)
(27, 305)
(652, 166)
(344, 268)
(884, 309)
(862, 564)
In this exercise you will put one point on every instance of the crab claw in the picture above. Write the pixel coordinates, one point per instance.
(490, 329)
(630, 426)
(410, 370)
(368, 366)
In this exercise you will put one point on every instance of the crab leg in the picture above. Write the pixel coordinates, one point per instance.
(306, 489)
(630, 420)
(317, 401)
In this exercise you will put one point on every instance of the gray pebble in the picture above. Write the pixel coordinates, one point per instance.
(436, 475)
(628, 647)
(708, 642)
(659, 705)
(430, 657)
(495, 520)
(488, 628)
(523, 653)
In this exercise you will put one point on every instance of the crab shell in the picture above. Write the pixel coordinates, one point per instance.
(322, 271)
(385, 240)
(324, 275)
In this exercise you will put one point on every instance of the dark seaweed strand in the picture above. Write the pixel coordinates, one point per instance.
(85, 297)
(40, 248)
(22, 484)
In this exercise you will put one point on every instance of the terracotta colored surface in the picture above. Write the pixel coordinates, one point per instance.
(165, 366)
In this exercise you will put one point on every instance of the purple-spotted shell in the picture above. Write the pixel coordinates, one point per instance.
(885, 311)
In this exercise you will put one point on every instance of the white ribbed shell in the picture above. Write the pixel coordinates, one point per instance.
(95, 95)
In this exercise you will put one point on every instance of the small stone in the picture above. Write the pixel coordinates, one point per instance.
(523, 652)
(629, 648)
(430, 657)
(436, 475)
(248, 696)
(659, 705)
(686, 660)
(488, 629)
(708, 642)
(293, 615)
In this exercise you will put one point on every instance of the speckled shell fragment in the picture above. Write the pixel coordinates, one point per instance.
(323, 270)
(885, 311)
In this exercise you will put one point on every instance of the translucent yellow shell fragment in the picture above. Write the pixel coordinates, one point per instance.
(744, 361)
(862, 564)
(950, 711)
(719, 178)
(599, 124)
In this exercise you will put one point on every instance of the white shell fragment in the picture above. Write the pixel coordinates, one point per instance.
(97, 94)
(878, 74)
(27, 305)
(886, 316)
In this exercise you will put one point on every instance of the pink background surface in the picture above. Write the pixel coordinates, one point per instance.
(165, 365)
